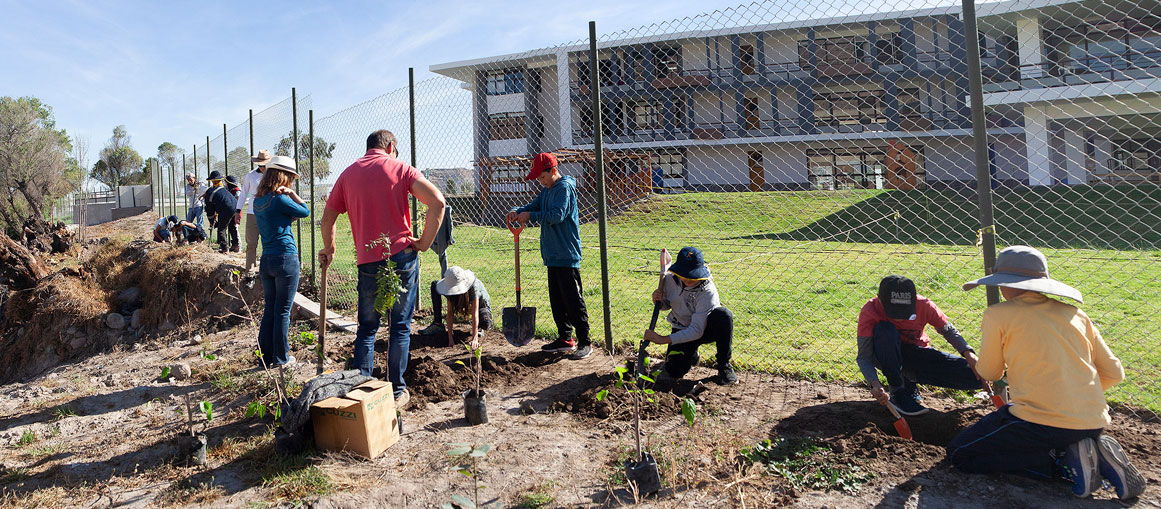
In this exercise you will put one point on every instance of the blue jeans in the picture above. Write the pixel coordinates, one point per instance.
(1002, 442)
(194, 215)
(399, 342)
(279, 275)
(904, 365)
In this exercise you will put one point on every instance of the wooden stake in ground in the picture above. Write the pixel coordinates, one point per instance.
(322, 318)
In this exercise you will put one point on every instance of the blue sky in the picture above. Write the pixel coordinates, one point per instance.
(176, 71)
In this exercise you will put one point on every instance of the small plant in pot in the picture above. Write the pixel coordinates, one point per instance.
(475, 404)
(193, 445)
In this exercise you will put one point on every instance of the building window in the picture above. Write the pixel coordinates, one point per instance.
(837, 50)
(849, 169)
(890, 49)
(752, 119)
(679, 112)
(509, 81)
(747, 59)
(1116, 45)
(849, 108)
(671, 163)
(506, 126)
(667, 61)
(646, 116)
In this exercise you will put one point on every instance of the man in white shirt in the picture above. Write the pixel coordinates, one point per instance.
(249, 188)
(194, 192)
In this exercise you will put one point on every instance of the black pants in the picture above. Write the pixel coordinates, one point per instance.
(228, 226)
(437, 310)
(719, 330)
(568, 304)
(904, 365)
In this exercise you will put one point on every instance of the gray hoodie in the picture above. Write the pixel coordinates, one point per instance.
(689, 307)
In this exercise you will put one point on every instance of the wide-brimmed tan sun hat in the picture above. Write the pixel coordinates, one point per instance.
(1024, 268)
(456, 281)
(283, 163)
(262, 158)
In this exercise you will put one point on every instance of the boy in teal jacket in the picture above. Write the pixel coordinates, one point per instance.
(555, 208)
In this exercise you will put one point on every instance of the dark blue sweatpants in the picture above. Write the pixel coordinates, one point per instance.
(904, 365)
(1002, 442)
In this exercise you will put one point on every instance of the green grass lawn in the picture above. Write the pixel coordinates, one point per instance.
(795, 267)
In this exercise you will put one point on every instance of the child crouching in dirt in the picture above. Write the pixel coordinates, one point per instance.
(892, 335)
(697, 317)
(466, 298)
(1058, 369)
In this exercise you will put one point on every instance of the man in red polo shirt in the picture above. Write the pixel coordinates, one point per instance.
(373, 193)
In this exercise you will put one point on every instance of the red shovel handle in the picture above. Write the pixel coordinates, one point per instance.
(516, 229)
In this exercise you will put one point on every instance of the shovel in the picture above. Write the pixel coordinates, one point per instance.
(519, 322)
(322, 319)
(996, 399)
(642, 349)
(901, 424)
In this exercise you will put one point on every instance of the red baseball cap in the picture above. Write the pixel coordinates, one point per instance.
(543, 161)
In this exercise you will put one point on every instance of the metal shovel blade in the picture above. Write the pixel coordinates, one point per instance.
(519, 325)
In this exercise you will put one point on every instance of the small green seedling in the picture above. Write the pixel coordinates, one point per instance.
(471, 456)
(306, 338)
(62, 412)
(476, 369)
(208, 356)
(635, 392)
(689, 410)
(207, 409)
(164, 372)
(26, 438)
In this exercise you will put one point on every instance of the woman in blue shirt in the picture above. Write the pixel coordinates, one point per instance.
(276, 207)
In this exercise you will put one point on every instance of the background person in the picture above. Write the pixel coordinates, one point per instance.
(373, 193)
(246, 202)
(555, 208)
(220, 204)
(194, 195)
(276, 207)
(466, 298)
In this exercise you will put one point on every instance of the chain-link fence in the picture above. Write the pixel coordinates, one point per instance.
(808, 150)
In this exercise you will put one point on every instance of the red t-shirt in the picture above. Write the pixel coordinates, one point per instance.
(373, 192)
(912, 332)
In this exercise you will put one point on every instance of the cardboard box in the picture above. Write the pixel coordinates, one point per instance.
(363, 421)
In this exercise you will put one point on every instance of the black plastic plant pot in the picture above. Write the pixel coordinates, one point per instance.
(194, 448)
(475, 407)
(644, 475)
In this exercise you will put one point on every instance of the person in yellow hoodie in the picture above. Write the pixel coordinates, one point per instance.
(1058, 369)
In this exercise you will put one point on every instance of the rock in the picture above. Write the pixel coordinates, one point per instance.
(135, 319)
(115, 321)
(180, 371)
(130, 297)
(111, 380)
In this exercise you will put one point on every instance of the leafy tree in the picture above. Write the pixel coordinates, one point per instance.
(450, 186)
(33, 161)
(239, 160)
(120, 160)
(169, 154)
(322, 154)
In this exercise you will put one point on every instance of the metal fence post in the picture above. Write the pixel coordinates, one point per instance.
(251, 140)
(980, 145)
(173, 183)
(414, 206)
(153, 192)
(310, 149)
(183, 187)
(195, 161)
(598, 148)
(209, 167)
(225, 152)
(297, 187)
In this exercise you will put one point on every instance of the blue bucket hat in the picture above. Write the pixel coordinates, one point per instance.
(690, 264)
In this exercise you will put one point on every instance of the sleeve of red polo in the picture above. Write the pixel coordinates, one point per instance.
(410, 176)
(337, 200)
(867, 321)
(935, 316)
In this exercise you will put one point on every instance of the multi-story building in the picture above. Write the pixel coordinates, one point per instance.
(869, 101)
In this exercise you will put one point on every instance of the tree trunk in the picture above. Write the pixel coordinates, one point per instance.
(19, 269)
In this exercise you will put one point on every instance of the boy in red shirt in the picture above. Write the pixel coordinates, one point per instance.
(892, 336)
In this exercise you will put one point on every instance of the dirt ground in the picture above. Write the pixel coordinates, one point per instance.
(101, 432)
